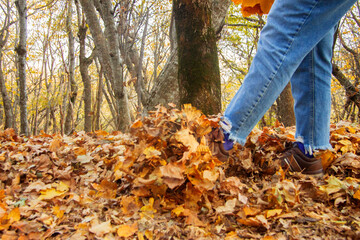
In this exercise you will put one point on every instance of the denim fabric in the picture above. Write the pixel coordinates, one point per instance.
(295, 45)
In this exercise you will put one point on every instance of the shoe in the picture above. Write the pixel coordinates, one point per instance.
(219, 144)
(296, 161)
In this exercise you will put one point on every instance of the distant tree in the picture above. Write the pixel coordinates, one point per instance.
(107, 44)
(4, 35)
(69, 120)
(21, 54)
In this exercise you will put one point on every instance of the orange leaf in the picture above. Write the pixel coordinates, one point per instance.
(250, 7)
(237, 1)
(257, 221)
(14, 215)
(101, 133)
(249, 211)
(269, 238)
(357, 194)
(55, 144)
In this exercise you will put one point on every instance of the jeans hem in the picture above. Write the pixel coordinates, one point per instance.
(309, 148)
(226, 125)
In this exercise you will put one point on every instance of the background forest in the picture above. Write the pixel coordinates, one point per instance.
(73, 65)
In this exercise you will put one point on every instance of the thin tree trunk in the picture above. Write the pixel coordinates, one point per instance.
(21, 52)
(84, 65)
(98, 100)
(9, 118)
(69, 120)
(199, 74)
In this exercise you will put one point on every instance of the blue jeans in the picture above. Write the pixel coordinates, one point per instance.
(295, 44)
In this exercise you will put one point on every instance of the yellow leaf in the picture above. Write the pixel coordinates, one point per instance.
(327, 158)
(62, 187)
(149, 235)
(50, 194)
(148, 210)
(57, 212)
(347, 146)
(179, 210)
(127, 230)
(151, 152)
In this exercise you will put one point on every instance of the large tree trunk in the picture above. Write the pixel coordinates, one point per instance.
(107, 45)
(21, 52)
(69, 120)
(199, 74)
(285, 107)
(166, 86)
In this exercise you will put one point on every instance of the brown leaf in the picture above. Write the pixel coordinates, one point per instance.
(100, 229)
(232, 185)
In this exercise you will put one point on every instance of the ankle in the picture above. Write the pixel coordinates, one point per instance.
(228, 143)
(301, 146)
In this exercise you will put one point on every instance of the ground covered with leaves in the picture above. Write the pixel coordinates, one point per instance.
(161, 181)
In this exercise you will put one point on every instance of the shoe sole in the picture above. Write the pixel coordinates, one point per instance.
(287, 163)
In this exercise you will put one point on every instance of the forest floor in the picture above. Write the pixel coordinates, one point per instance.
(161, 181)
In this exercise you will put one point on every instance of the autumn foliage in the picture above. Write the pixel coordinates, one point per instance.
(250, 7)
(161, 181)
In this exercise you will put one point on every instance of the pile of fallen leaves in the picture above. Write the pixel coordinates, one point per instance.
(161, 181)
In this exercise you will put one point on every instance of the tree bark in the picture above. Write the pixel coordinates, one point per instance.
(199, 74)
(21, 52)
(285, 107)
